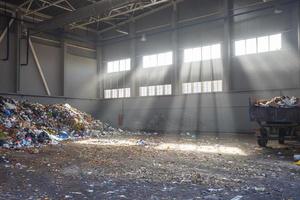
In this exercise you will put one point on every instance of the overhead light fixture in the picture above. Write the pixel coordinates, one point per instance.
(143, 38)
(277, 11)
(120, 31)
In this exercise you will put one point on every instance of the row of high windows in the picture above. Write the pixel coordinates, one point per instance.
(162, 90)
(210, 52)
(242, 47)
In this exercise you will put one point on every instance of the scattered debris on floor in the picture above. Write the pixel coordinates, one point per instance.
(297, 157)
(279, 102)
(116, 167)
(298, 163)
(141, 142)
(238, 197)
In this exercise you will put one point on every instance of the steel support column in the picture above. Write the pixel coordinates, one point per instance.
(18, 54)
(100, 71)
(227, 49)
(134, 64)
(298, 31)
(64, 49)
(176, 64)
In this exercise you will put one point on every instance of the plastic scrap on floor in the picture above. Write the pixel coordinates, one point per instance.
(141, 142)
(238, 197)
(297, 157)
(63, 135)
(259, 189)
(3, 159)
(297, 163)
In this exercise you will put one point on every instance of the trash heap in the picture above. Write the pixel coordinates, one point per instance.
(25, 124)
(279, 102)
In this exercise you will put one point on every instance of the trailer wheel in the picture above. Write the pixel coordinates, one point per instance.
(262, 140)
(281, 136)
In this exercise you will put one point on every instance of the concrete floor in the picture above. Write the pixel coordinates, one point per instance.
(153, 167)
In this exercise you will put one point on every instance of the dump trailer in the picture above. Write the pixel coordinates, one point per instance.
(276, 123)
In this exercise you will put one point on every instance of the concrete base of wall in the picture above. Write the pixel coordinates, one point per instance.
(217, 112)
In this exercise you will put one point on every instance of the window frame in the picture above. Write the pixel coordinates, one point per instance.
(114, 66)
(197, 54)
(117, 93)
(262, 44)
(157, 60)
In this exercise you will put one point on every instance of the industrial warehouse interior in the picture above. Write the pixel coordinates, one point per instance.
(150, 99)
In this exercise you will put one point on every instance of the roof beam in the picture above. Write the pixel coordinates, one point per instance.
(82, 13)
(48, 4)
(255, 6)
(141, 16)
(122, 11)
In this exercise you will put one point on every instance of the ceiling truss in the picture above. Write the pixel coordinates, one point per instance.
(34, 8)
(123, 12)
(40, 5)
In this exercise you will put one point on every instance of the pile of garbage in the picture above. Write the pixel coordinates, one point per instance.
(25, 124)
(279, 102)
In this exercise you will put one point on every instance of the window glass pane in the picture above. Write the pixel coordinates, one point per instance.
(114, 93)
(151, 90)
(153, 61)
(240, 48)
(146, 61)
(251, 46)
(220, 84)
(164, 59)
(196, 87)
(192, 55)
(150, 61)
(188, 55)
(188, 88)
(143, 91)
(184, 88)
(121, 93)
(169, 58)
(110, 67)
(258, 45)
(206, 54)
(116, 66)
(107, 94)
(161, 59)
(275, 42)
(122, 65)
(206, 86)
(217, 86)
(127, 92)
(216, 51)
(159, 90)
(196, 54)
(262, 44)
(168, 89)
(127, 64)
